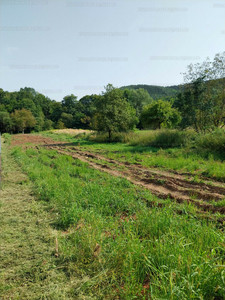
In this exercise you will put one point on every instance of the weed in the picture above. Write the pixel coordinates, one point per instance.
(161, 181)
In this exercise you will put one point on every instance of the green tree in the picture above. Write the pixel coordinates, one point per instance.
(69, 104)
(48, 124)
(26, 103)
(160, 113)
(138, 99)
(60, 125)
(23, 119)
(192, 106)
(67, 120)
(202, 99)
(56, 111)
(113, 113)
(86, 110)
(6, 123)
(45, 103)
(40, 119)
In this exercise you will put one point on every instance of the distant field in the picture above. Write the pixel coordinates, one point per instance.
(133, 225)
(71, 131)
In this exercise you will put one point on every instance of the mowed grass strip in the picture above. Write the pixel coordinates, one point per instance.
(29, 269)
(120, 240)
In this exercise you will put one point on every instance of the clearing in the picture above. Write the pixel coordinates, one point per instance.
(164, 184)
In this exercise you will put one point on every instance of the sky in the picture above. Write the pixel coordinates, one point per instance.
(64, 47)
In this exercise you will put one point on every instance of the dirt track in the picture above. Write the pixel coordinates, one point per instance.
(164, 184)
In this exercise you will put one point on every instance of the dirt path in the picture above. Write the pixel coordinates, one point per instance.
(28, 266)
(161, 183)
(164, 184)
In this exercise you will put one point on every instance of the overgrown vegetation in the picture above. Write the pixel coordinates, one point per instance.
(183, 151)
(120, 239)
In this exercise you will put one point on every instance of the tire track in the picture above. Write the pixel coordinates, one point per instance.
(162, 184)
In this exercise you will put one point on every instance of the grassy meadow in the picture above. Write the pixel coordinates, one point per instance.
(181, 151)
(121, 241)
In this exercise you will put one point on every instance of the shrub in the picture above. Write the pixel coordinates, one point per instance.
(173, 138)
(214, 141)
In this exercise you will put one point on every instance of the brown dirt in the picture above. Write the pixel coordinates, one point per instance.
(164, 184)
(22, 139)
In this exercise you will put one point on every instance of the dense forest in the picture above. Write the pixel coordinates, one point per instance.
(198, 103)
(48, 113)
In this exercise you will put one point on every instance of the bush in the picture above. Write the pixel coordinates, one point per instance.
(173, 138)
(163, 139)
(214, 141)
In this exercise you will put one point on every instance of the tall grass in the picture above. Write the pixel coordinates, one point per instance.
(202, 155)
(154, 138)
(214, 141)
(119, 244)
(173, 138)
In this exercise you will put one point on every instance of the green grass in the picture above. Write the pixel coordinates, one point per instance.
(7, 137)
(196, 157)
(28, 268)
(118, 239)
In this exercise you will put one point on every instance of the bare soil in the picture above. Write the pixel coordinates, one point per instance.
(164, 184)
(23, 139)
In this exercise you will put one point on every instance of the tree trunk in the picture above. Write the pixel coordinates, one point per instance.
(109, 135)
(23, 131)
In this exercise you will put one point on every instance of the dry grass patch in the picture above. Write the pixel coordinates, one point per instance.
(72, 131)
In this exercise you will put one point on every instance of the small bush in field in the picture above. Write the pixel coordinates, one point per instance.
(214, 141)
(173, 138)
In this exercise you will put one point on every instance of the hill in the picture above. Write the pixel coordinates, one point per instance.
(155, 91)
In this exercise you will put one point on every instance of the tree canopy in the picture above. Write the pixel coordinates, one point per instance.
(202, 99)
(113, 113)
(23, 118)
(160, 113)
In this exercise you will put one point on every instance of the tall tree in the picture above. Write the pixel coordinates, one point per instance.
(6, 123)
(23, 119)
(138, 99)
(67, 120)
(160, 113)
(202, 99)
(69, 104)
(113, 112)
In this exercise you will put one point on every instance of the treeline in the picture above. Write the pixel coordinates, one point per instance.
(198, 104)
(27, 110)
(156, 92)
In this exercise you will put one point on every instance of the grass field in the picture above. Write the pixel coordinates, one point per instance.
(199, 161)
(118, 239)
(28, 267)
